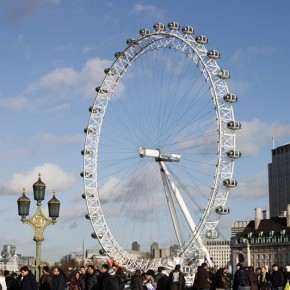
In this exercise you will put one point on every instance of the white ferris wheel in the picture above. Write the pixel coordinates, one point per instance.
(160, 148)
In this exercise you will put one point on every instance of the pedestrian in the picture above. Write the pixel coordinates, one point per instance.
(263, 279)
(176, 279)
(2, 281)
(91, 278)
(28, 281)
(202, 279)
(253, 278)
(121, 277)
(109, 279)
(242, 280)
(58, 281)
(14, 284)
(83, 277)
(45, 279)
(276, 278)
(8, 279)
(137, 281)
(162, 281)
(75, 282)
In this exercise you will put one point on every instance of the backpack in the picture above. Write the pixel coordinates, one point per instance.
(242, 278)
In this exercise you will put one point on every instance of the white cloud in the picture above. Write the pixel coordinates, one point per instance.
(254, 134)
(51, 174)
(139, 8)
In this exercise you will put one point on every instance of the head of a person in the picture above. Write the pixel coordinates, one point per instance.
(105, 268)
(91, 269)
(160, 269)
(83, 270)
(45, 270)
(177, 267)
(263, 269)
(138, 273)
(77, 275)
(204, 265)
(226, 270)
(24, 271)
(6, 273)
(56, 271)
(275, 267)
(14, 275)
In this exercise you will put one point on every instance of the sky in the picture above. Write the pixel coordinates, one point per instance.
(52, 56)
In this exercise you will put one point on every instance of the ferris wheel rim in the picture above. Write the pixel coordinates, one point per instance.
(110, 81)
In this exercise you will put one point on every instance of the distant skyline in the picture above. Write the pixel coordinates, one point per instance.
(53, 54)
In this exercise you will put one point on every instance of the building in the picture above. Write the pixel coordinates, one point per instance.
(279, 180)
(135, 247)
(264, 241)
(238, 227)
(219, 251)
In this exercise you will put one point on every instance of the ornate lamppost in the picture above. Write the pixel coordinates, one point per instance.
(38, 221)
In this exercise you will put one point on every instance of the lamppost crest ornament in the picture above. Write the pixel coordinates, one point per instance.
(38, 221)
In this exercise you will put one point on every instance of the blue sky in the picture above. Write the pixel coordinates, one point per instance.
(53, 53)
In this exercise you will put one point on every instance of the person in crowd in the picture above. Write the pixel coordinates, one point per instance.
(176, 279)
(91, 280)
(59, 280)
(2, 281)
(263, 279)
(242, 280)
(75, 282)
(276, 278)
(83, 277)
(202, 279)
(14, 284)
(137, 281)
(45, 279)
(8, 279)
(253, 278)
(121, 277)
(286, 275)
(162, 281)
(28, 281)
(222, 281)
(109, 279)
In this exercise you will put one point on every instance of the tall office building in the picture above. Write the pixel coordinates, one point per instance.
(135, 246)
(279, 180)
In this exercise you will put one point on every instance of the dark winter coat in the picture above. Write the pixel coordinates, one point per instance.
(58, 282)
(277, 279)
(29, 282)
(202, 279)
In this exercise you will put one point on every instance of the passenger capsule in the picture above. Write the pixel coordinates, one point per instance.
(101, 90)
(94, 236)
(230, 182)
(212, 234)
(144, 32)
(173, 26)
(110, 71)
(86, 152)
(131, 41)
(234, 125)
(87, 216)
(188, 30)
(230, 98)
(102, 252)
(234, 153)
(95, 109)
(201, 39)
(214, 54)
(120, 54)
(222, 210)
(89, 131)
(86, 174)
(84, 196)
(224, 74)
(159, 26)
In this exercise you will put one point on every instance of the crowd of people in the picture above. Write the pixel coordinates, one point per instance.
(113, 277)
(244, 278)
